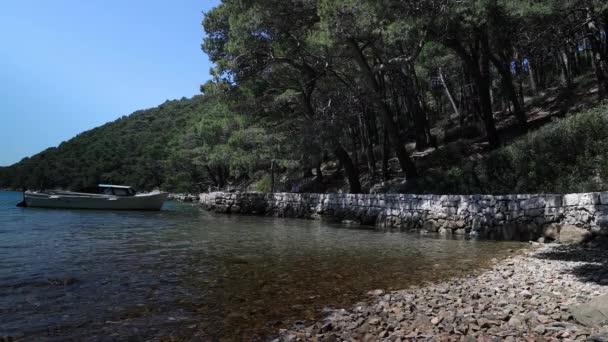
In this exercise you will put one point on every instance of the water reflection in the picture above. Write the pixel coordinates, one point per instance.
(184, 272)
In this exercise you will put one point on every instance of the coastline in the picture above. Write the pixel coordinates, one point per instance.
(183, 197)
(521, 217)
(542, 294)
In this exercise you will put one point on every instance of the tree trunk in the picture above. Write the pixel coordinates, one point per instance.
(522, 99)
(407, 165)
(598, 47)
(478, 64)
(272, 176)
(385, 155)
(531, 75)
(352, 172)
(600, 66)
(486, 103)
(220, 177)
(562, 60)
(319, 177)
(368, 146)
(506, 79)
(355, 148)
(420, 101)
(423, 138)
(448, 93)
(540, 74)
(212, 176)
(577, 64)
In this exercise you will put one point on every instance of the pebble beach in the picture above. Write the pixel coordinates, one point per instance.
(550, 292)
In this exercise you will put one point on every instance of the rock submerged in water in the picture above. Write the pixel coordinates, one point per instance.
(532, 297)
(62, 281)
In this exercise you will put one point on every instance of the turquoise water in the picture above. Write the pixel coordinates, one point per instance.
(183, 272)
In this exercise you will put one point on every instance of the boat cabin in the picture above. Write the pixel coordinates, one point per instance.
(108, 189)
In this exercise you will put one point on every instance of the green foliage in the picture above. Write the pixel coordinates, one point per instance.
(182, 145)
(302, 82)
(130, 150)
(264, 184)
(568, 155)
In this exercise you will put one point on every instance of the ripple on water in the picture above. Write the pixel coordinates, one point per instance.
(183, 272)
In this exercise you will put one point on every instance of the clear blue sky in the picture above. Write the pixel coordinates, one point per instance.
(70, 65)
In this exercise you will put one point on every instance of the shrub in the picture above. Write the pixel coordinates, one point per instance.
(264, 184)
(567, 155)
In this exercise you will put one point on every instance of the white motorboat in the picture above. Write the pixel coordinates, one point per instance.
(102, 197)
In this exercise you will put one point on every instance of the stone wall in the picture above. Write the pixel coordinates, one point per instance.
(510, 217)
(183, 197)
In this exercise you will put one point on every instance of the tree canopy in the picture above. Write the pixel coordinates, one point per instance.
(318, 92)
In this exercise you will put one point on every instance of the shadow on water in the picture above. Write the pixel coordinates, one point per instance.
(592, 258)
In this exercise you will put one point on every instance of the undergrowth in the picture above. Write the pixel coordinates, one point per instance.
(566, 155)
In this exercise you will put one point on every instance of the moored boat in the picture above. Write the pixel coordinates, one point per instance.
(102, 197)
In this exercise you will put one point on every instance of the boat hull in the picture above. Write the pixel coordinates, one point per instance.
(66, 200)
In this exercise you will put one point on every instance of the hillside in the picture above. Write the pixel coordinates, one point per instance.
(134, 149)
(441, 97)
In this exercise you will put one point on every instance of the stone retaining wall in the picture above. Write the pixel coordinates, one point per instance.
(183, 197)
(510, 217)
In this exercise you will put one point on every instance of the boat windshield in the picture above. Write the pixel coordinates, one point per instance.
(110, 190)
(123, 191)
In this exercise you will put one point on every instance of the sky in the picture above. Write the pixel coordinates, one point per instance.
(67, 66)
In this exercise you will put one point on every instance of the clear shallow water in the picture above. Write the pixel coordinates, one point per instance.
(183, 272)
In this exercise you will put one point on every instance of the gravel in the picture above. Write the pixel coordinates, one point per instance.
(527, 297)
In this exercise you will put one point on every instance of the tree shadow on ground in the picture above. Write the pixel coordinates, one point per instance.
(591, 260)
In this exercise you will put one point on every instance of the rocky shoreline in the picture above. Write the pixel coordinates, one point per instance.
(550, 292)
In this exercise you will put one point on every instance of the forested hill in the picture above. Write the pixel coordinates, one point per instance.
(144, 149)
(127, 150)
(431, 96)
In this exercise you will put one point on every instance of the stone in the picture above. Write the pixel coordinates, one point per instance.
(377, 292)
(598, 338)
(445, 231)
(431, 225)
(374, 321)
(551, 231)
(581, 199)
(421, 322)
(327, 327)
(602, 222)
(543, 319)
(533, 203)
(516, 323)
(539, 329)
(570, 234)
(522, 298)
(604, 198)
(593, 313)
(553, 201)
(526, 294)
